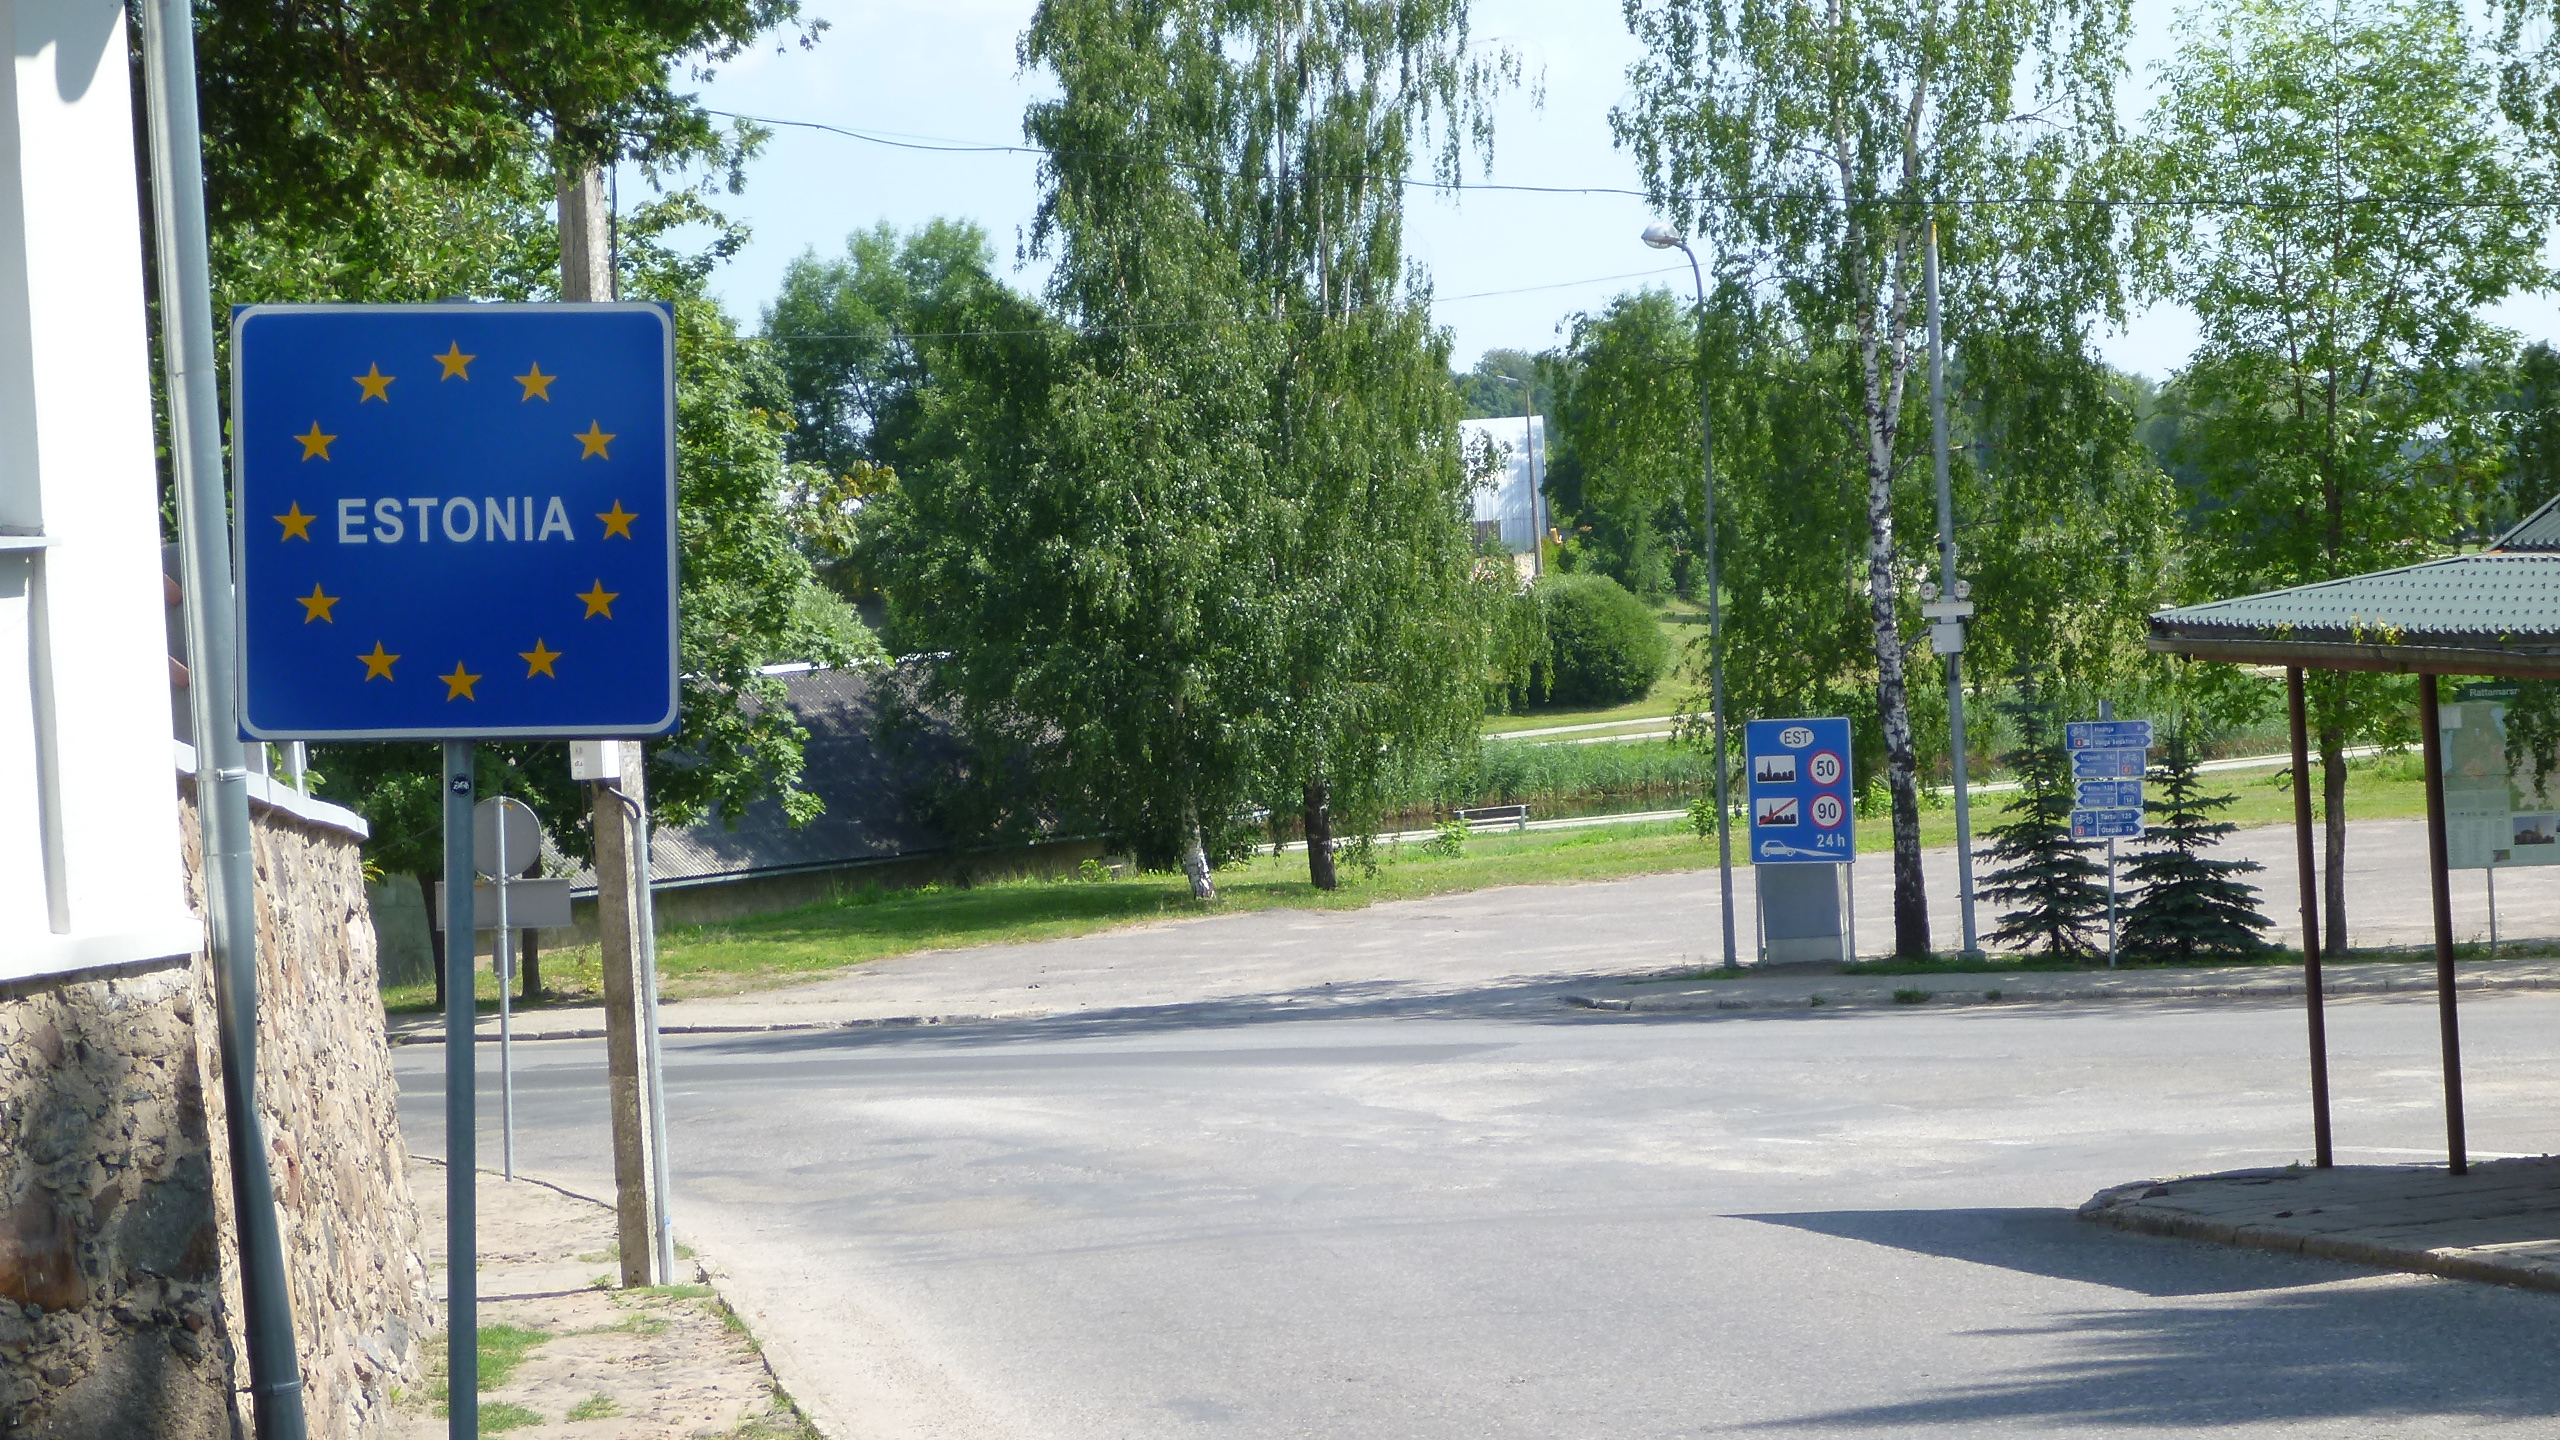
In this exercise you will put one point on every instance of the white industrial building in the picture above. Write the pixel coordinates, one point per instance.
(1512, 508)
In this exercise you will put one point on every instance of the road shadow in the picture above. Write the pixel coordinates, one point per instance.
(2273, 1338)
(2057, 1245)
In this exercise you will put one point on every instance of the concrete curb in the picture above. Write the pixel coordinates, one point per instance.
(786, 1374)
(596, 1032)
(2007, 996)
(2120, 1208)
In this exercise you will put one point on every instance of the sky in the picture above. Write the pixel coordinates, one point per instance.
(1508, 270)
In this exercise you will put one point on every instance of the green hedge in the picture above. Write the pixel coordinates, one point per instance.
(1605, 647)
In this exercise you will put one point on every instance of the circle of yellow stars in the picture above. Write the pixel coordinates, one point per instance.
(593, 444)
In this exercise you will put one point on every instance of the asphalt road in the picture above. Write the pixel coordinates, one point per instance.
(1429, 1219)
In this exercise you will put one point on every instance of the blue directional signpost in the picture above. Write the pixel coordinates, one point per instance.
(1803, 812)
(2109, 757)
(455, 522)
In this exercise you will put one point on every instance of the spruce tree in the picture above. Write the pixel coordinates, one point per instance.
(2056, 893)
(2187, 906)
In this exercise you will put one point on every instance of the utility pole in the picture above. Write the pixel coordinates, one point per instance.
(1952, 602)
(586, 274)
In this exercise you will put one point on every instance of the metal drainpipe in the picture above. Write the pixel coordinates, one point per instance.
(222, 772)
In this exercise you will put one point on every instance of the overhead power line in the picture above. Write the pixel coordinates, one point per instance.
(937, 145)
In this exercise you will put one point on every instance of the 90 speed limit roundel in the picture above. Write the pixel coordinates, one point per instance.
(1827, 811)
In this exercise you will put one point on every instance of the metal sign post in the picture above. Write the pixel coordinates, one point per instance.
(456, 522)
(2109, 758)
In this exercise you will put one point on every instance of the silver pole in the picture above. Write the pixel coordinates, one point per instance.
(1947, 588)
(461, 1104)
(503, 961)
(2492, 874)
(650, 1055)
(1715, 611)
(222, 767)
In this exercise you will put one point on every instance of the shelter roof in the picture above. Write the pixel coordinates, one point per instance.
(2493, 613)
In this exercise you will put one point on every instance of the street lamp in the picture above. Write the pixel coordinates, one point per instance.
(1663, 237)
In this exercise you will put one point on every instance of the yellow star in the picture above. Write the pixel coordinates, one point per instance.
(537, 661)
(378, 663)
(617, 521)
(600, 601)
(536, 384)
(297, 526)
(315, 606)
(457, 686)
(454, 363)
(315, 443)
(594, 440)
(377, 386)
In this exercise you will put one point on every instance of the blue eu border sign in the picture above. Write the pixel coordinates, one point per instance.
(1802, 808)
(455, 521)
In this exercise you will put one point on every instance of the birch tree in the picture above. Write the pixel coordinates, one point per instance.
(1807, 142)
(2348, 206)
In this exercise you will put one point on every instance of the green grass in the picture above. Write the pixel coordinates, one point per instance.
(503, 1348)
(871, 924)
(500, 1415)
(595, 1407)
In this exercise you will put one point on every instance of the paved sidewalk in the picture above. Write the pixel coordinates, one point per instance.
(2500, 1223)
(629, 1365)
(1550, 944)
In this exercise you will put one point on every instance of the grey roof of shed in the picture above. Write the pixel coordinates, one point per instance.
(2493, 613)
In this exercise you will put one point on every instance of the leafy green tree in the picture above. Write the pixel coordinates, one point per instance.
(1502, 383)
(2533, 417)
(1808, 143)
(1216, 166)
(1625, 474)
(2055, 893)
(2187, 905)
(308, 107)
(851, 335)
(2339, 403)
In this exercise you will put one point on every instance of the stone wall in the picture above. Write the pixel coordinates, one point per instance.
(119, 1291)
(110, 1290)
(352, 1260)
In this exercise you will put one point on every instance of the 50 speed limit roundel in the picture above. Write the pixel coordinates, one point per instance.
(1823, 768)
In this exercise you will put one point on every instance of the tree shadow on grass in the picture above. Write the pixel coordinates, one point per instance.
(2268, 1338)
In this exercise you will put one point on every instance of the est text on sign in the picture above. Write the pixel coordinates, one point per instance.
(455, 521)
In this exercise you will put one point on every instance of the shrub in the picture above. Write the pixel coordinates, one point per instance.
(1605, 648)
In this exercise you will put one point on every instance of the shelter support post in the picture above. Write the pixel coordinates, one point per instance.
(2439, 889)
(2323, 1154)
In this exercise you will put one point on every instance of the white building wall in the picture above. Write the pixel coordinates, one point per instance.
(89, 845)
(1520, 467)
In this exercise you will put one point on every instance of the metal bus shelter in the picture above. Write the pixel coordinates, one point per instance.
(2494, 613)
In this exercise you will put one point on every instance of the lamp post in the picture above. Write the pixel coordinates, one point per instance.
(1663, 237)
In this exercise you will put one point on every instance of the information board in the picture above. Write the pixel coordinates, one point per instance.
(1803, 811)
(2108, 761)
(455, 521)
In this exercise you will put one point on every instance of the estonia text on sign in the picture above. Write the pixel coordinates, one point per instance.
(455, 521)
